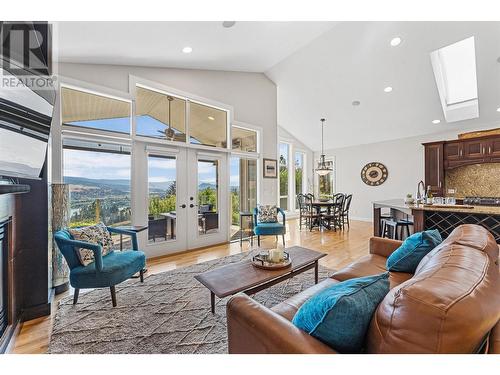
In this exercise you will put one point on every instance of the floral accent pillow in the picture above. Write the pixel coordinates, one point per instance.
(267, 214)
(97, 234)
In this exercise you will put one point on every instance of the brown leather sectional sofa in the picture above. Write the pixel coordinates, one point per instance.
(450, 305)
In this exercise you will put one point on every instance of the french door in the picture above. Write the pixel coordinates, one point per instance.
(186, 199)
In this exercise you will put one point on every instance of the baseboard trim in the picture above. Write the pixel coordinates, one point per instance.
(368, 219)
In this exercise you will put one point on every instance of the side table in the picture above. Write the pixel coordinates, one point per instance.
(248, 230)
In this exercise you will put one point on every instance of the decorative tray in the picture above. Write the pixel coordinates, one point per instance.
(262, 261)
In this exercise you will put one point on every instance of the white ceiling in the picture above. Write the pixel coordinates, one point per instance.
(247, 46)
(354, 61)
(318, 67)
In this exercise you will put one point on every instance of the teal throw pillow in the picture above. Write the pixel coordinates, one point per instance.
(340, 315)
(407, 257)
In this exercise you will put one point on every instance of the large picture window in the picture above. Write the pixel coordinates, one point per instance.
(207, 125)
(243, 185)
(88, 110)
(284, 150)
(99, 184)
(160, 115)
(243, 139)
(300, 178)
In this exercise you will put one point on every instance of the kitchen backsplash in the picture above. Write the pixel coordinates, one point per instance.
(480, 180)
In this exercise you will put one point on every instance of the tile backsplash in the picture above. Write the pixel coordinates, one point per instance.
(480, 180)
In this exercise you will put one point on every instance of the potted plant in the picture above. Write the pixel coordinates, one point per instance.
(409, 199)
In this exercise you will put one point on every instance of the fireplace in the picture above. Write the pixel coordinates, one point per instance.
(4, 305)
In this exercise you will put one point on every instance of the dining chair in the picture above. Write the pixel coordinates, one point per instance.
(306, 212)
(345, 211)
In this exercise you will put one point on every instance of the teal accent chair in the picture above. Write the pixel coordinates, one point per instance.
(269, 229)
(106, 271)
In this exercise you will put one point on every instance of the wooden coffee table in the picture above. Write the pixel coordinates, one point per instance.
(244, 277)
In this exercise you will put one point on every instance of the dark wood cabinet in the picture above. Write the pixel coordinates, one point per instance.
(434, 167)
(494, 149)
(444, 155)
(453, 154)
(475, 150)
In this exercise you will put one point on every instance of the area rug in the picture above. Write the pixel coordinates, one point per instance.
(168, 313)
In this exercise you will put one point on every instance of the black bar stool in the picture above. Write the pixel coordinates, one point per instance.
(398, 227)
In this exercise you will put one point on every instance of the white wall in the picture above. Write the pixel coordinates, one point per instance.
(252, 95)
(404, 159)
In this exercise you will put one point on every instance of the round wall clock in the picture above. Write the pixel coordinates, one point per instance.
(374, 174)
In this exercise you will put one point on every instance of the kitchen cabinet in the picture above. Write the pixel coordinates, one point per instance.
(434, 167)
(475, 150)
(453, 154)
(494, 149)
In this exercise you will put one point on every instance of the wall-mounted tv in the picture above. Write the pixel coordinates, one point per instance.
(26, 107)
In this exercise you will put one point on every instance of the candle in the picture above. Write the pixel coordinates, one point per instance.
(276, 255)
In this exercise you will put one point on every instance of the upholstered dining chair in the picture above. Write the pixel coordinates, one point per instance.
(105, 271)
(269, 229)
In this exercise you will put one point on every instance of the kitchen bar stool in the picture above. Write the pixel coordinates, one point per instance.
(398, 226)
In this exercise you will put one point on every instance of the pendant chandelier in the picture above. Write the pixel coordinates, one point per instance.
(169, 132)
(323, 169)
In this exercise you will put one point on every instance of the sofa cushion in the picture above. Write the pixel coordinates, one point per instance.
(117, 266)
(290, 306)
(340, 315)
(269, 229)
(448, 306)
(407, 257)
(371, 264)
(97, 234)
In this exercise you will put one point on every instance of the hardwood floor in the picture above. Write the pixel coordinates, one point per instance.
(342, 247)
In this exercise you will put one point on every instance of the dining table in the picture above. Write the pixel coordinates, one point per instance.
(328, 205)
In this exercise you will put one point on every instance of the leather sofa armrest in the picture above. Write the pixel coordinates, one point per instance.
(383, 246)
(494, 340)
(254, 329)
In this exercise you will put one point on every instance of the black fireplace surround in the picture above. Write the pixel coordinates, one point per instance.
(3, 277)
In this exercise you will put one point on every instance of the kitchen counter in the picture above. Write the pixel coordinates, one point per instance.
(442, 217)
(400, 205)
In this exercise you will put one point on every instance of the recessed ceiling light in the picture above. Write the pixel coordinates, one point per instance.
(187, 49)
(396, 41)
(228, 24)
(498, 109)
(211, 118)
(356, 103)
(436, 121)
(388, 89)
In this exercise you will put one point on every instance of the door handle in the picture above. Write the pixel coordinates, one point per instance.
(183, 206)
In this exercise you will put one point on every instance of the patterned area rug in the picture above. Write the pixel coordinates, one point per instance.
(168, 313)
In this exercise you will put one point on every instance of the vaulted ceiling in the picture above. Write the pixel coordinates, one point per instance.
(246, 46)
(320, 68)
(354, 61)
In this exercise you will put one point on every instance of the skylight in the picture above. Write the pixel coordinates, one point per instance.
(455, 73)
